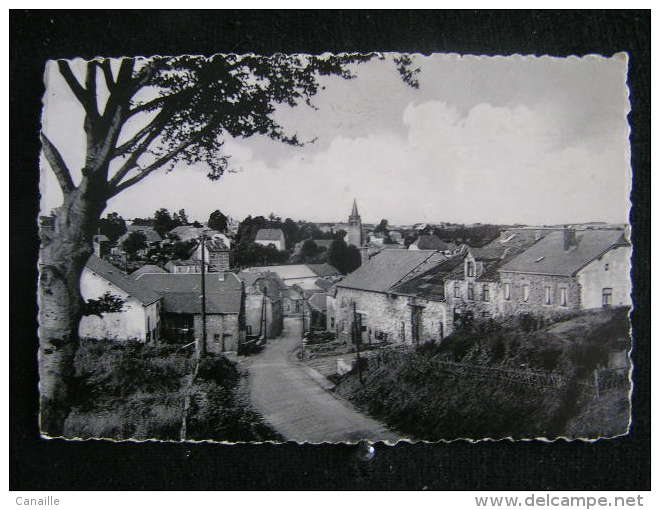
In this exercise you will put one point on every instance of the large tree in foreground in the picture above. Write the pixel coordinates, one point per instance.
(140, 116)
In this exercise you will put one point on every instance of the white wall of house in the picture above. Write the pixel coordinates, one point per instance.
(129, 324)
(611, 271)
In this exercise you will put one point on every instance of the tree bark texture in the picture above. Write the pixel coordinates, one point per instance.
(63, 255)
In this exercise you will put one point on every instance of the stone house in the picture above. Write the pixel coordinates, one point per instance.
(263, 304)
(568, 270)
(473, 289)
(216, 253)
(182, 308)
(268, 236)
(386, 312)
(139, 318)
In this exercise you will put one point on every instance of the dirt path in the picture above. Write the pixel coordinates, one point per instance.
(294, 402)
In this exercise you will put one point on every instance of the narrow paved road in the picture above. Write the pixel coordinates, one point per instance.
(296, 405)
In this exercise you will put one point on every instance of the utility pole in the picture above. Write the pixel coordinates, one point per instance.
(202, 345)
(302, 336)
(357, 332)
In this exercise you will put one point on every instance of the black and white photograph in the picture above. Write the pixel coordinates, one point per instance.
(335, 248)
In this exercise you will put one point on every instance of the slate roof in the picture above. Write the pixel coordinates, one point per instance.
(269, 234)
(548, 256)
(287, 271)
(119, 279)
(182, 292)
(390, 267)
(431, 242)
(148, 268)
(431, 283)
(324, 269)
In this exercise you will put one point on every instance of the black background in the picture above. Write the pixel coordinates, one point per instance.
(36, 36)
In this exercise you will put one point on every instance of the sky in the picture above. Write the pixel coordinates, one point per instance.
(532, 140)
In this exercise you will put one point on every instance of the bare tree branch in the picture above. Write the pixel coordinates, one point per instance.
(72, 82)
(158, 163)
(131, 162)
(107, 73)
(90, 86)
(157, 123)
(57, 164)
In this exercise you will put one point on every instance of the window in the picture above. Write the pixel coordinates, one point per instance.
(507, 291)
(216, 337)
(607, 297)
(485, 292)
(470, 291)
(457, 290)
(403, 331)
(548, 295)
(525, 293)
(563, 296)
(470, 268)
(607, 267)
(332, 322)
(248, 329)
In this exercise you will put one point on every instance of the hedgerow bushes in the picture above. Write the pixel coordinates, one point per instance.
(136, 391)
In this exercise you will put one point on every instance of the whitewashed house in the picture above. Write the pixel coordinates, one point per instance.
(139, 318)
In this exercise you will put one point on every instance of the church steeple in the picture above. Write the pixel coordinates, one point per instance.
(355, 235)
(354, 212)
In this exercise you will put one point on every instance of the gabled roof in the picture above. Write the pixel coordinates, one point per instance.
(548, 256)
(287, 271)
(389, 268)
(324, 269)
(269, 234)
(120, 280)
(431, 283)
(182, 292)
(148, 268)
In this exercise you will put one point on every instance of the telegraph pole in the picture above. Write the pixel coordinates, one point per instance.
(302, 336)
(357, 327)
(202, 346)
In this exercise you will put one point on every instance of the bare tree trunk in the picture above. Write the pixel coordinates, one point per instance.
(63, 256)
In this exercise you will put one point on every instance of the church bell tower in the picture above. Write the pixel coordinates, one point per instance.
(355, 236)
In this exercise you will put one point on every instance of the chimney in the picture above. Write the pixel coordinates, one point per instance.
(569, 238)
(364, 254)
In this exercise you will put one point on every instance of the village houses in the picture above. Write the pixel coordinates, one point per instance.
(182, 308)
(414, 296)
(264, 309)
(139, 318)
